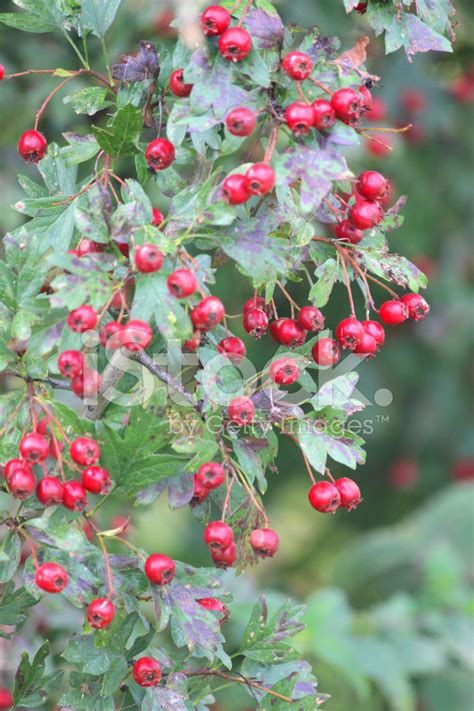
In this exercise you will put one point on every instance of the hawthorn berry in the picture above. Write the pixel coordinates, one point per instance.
(417, 306)
(157, 217)
(376, 330)
(257, 302)
(100, 613)
(50, 491)
(324, 497)
(34, 448)
(215, 20)
(182, 283)
(87, 246)
(21, 483)
(372, 185)
(71, 363)
(235, 190)
(107, 335)
(32, 146)
(297, 65)
(255, 322)
(290, 333)
(51, 577)
(367, 346)
(260, 179)
(326, 352)
(241, 410)
(215, 605)
(2, 76)
(6, 699)
(232, 347)
(346, 104)
(82, 319)
(159, 154)
(86, 384)
(241, 121)
(226, 557)
(148, 258)
(136, 335)
(349, 493)
(218, 535)
(191, 345)
(211, 475)
(200, 492)
(393, 312)
(346, 231)
(177, 84)
(284, 371)
(265, 542)
(349, 332)
(208, 313)
(366, 98)
(160, 569)
(324, 114)
(13, 465)
(235, 44)
(74, 496)
(310, 318)
(147, 671)
(96, 480)
(365, 214)
(275, 329)
(84, 451)
(299, 117)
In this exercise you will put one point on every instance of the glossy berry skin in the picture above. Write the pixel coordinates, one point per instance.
(211, 475)
(241, 410)
(367, 346)
(157, 217)
(215, 605)
(2, 76)
(264, 542)
(218, 535)
(310, 318)
(417, 306)
(159, 154)
(291, 334)
(96, 480)
(107, 335)
(297, 65)
(100, 613)
(208, 313)
(393, 312)
(21, 483)
(346, 103)
(260, 179)
(160, 569)
(232, 347)
(349, 233)
(84, 451)
(349, 333)
(226, 557)
(235, 44)
(215, 20)
(136, 335)
(275, 329)
(235, 190)
(255, 322)
(324, 497)
(13, 465)
(365, 98)
(349, 493)
(6, 699)
(147, 672)
(365, 214)
(284, 371)
(74, 496)
(50, 491)
(200, 493)
(182, 283)
(71, 363)
(82, 319)
(241, 122)
(87, 383)
(324, 114)
(326, 352)
(257, 302)
(32, 146)
(376, 330)
(34, 448)
(177, 84)
(51, 577)
(148, 258)
(372, 185)
(299, 118)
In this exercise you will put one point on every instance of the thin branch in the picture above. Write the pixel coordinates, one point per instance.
(168, 379)
(247, 682)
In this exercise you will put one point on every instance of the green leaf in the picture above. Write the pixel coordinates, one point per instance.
(88, 100)
(326, 275)
(120, 140)
(98, 15)
(13, 603)
(10, 550)
(32, 685)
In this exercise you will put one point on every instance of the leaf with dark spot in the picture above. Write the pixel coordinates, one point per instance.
(144, 65)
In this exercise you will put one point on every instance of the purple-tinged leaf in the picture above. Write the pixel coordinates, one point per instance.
(267, 30)
(144, 66)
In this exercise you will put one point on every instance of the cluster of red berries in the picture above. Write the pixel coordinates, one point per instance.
(234, 43)
(219, 538)
(327, 496)
(258, 180)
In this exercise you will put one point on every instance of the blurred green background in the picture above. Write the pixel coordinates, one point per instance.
(388, 586)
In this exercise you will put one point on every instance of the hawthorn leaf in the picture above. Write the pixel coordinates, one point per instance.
(267, 29)
(13, 604)
(140, 67)
(32, 685)
(93, 214)
(121, 138)
(80, 148)
(88, 100)
(98, 16)
(326, 275)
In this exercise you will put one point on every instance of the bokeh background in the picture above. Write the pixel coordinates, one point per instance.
(388, 587)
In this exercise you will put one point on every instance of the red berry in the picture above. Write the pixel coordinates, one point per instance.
(299, 117)
(87, 246)
(235, 44)
(177, 84)
(264, 542)
(211, 475)
(74, 496)
(32, 146)
(226, 557)
(284, 371)
(82, 319)
(310, 318)
(365, 214)
(367, 346)
(417, 307)
(297, 65)
(96, 480)
(147, 671)
(235, 190)
(290, 333)
(346, 231)
(323, 496)
(241, 121)
(393, 312)
(124, 247)
(255, 322)
(201, 492)
(160, 569)
(372, 185)
(232, 347)
(13, 465)
(107, 336)
(86, 384)
(71, 363)
(21, 483)
(208, 313)
(157, 217)
(380, 147)
(275, 329)
(215, 20)
(51, 577)
(260, 178)
(148, 258)
(6, 699)
(182, 283)
(349, 333)
(84, 451)
(346, 104)
(349, 493)
(159, 154)
(136, 335)
(366, 98)
(2, 76)
(377, 110)
(241, 410)
(100, 613)
(257, 302)
(34, 448)
(193, 344)
(215, 605)
(326, 352)
(324, 114)
(218, 535)
(50, 491)
(361, 7)
(376, 330)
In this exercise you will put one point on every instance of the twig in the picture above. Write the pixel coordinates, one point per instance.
(166, 378)
(237, 680)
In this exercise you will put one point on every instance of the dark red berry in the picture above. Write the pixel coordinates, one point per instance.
(284, 371)
(361, 7)
(208, 313)
(226, 557)
(182, 283)
(372, 185)
(211, 475)
(275, 329)
(326, 352)
(84, 451)
(136, 335)
(82, 319)
(264, 542)
(241, 410)
(74, 496)
(310, 318)
(71, 363)
(260, 178)
(13, 465)
(257, 302)
(215, 20)
(235, 190)
(346, 104)
(50, 491)
(2, 76)
(349, 332)
(32, 146)
(96, 480)
(21, 483)
(100, 613)
(324, 114)
(367, 346)
(365, 214)
(34, 448)
(349, 493)
(147, 671)
(148, 258)
(177, 84)
(297, 65)
(393, 312)
(215, 605)
(232, 347)
(157, 217)
(349, 233)
(299, 117)
(255, 322)
(160, 569)
(376, 330)
(241, 121)
(365, 98)
(417, 306)
(87, 246)
(159, 154)
(51, 577)
(6, 699)
(191, 345)
(200, 493)
(235, 44)
(86, 384)
(323, 496)
(218, 535)
(291, 334)
(108, 337)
